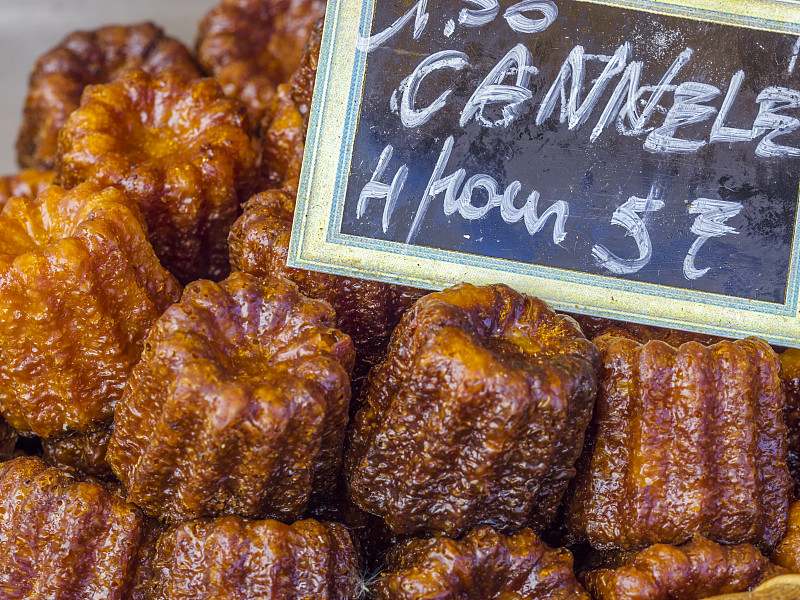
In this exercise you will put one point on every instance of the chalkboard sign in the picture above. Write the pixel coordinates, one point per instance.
(629, 159)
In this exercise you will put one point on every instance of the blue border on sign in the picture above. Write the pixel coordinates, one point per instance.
(333, 235)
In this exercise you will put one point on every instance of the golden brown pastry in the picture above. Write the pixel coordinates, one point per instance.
(251, 46)
(80, 287)
(693, 571)
(28, 183)
(285, 127)
(476, 415)
(83, 58)
(366, 310)
(787, 554)
(63, 538)
(790, 362)
(483, 565)
(684, 441)
(238, 405)
(230, 558)
(83, 452)
(179, 148)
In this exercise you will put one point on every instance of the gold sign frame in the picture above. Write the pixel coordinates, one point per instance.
(317, 243)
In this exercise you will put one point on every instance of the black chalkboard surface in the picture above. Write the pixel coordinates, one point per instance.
(649, 156)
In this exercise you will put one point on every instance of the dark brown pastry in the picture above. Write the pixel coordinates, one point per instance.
(285, 127)
(693, 571)
(484, 565)
(251, 46)
(28, 183)
(238, 405)
(84, 452)
(596, 326)
(179, 148)
(787, 554)
(230, 558)
(476, 415)
(8, 440)
(684, 441)
(81, 59)
(366, 310)
(80, 287)
(790, 362)
(63, 538)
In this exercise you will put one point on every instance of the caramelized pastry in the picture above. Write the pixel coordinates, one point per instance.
(693, 571)
(684, 441)
(251, 46)
(484, 565)
(63, 538)
(83, 58)
(83, 452)
(80, 287)
(366, 310)
(179, 148)
(238, 405)
(8, 440)
(230, 558)
(790, 361)
(284, 130)
(476, 415)
(787, 554)
(28, 183)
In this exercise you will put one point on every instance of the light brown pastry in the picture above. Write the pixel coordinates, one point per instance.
(80, 287)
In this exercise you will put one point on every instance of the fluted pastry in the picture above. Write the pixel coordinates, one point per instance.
(179, 148)
(790, 362)
(787, 554)
(86, 58)
(80, 287)
(63, 538)
(483, 565)
(476, 415)
(367, 311)
(283, 135)
(693, 571)
(28, 183)
(230, 558)
(251, 46)
(238, 405)
(684, 441)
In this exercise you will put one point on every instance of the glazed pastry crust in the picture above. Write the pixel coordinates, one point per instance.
(79, 279)
(28, 183)
(476, 415)
(252, 46)
(693, 571)
(367, 311)
(83, 452)
(230, 558)
(238, 405)
(283, 136)
(85, 58)
(684, 441)
(179, 148)
(787, 554)
(63, 538)
(484, 564)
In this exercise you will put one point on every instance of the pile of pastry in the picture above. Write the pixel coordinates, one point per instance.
(184, 416)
